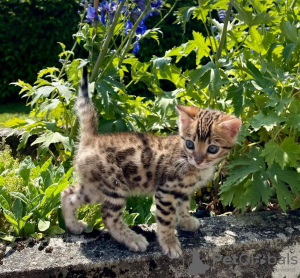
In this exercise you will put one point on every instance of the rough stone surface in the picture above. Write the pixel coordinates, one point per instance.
(263, 244)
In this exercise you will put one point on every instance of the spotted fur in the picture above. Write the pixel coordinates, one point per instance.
(113, 166)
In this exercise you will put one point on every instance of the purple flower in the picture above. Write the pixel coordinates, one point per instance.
(222, 15)
(103, 9)
(140, 4)
(156, 4)
(141, 29)
(91, 14)
(112, 10)
(135, 13)
(128, 26)
(136, 48)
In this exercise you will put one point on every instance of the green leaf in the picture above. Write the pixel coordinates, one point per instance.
(43, 225)
(215, 83)
(202, 47)
(55, 230)
(198, 73)
(18, 210)
(236, 95)
(129, 219)
(51, 137)
(10, 217)
(280, 178)
(267, 121)
(285, 154)
(243, 15)
(288, 50)
(29, 228)
(262, 81)
(24, 220)
(49, 105)
(15, 123)
(289, 30)
(112, 126)
(20, 196)
(8, 238)
(105, 90)
(183, 15)
(5, 199)
(262, 18)
(257, 190)
(242, 167)
(42, 92)
(64, 91)
(25, 167)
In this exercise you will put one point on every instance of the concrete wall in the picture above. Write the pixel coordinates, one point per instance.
(263, 244)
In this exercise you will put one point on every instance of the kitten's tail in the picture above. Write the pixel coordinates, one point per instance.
(88, 120)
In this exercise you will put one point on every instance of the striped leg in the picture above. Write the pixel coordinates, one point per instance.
(72, 198)
(185, 220)
(165, 215)
(112, 217)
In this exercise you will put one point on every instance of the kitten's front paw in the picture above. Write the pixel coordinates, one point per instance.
(136, 243)
(171, 247)
(190, 224)
(77, 227)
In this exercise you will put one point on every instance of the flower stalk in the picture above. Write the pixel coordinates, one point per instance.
(224, 32)
(105, 45)
(132, 32)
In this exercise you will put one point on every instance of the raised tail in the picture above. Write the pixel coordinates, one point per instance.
(88, 119)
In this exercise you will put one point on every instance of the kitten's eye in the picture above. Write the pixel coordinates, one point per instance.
(213, 149)
(189, 144)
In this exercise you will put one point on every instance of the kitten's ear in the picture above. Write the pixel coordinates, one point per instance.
(186, 114)
(231, 126)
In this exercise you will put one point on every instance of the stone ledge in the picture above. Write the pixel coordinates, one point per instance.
(263, 244)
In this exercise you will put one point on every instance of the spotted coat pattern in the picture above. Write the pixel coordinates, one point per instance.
(113, 166)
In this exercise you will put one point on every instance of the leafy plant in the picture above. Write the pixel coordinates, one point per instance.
(246, 62)
(253, 72)
(32, 208)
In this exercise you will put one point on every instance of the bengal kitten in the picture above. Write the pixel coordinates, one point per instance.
(114, 166)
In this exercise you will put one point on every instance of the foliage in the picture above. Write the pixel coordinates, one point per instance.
(23, 25)
(29, 32)
(246, 62)
(30, 196)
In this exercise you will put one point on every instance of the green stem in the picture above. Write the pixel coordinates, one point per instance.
(105, 45)
(166, 15)
(127, 40)
(224, 32)
(211, 29)
(292, 5)
(208, 34)
(132, 33)
(72, 50)
(66, 60)
(74, 128)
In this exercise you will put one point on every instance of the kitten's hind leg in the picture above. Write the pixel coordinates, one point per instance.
(72, 198)
(112, 209)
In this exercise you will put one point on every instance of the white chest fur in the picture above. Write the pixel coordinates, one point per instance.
(200, 178)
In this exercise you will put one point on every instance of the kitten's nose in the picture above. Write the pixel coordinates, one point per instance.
(198, 159)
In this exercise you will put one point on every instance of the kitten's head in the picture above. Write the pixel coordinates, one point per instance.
(207, 135)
